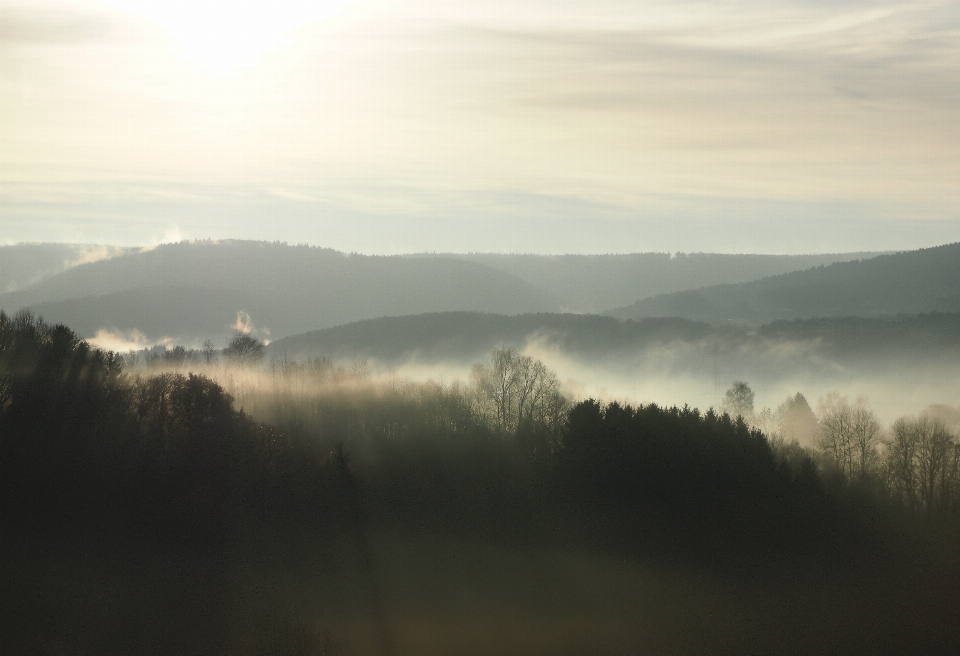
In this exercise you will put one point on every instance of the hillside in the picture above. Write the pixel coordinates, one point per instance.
(466, 336)
(596, 283)
(191, 291)
(913, 282)
(469, 336)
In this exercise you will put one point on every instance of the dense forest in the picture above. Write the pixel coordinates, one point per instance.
(219, 501)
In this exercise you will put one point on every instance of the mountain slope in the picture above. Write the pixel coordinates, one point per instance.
(471, 335)
(196, 290)
(578, 283)
(596, 283)
(913, 282)
(466, 336)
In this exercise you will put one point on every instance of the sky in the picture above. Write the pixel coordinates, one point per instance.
(554, 126)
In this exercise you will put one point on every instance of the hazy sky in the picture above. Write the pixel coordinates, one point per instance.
(547, 126)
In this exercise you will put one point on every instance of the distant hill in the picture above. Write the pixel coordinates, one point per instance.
(195, 290)
(596, 283)
(291, 289)
(470, 336)
(913, 282)
(22, 265)
(467, 335)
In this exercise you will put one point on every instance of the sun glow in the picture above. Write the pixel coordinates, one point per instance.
(222, 37)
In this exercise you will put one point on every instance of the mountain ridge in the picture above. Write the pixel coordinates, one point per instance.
(907, 282)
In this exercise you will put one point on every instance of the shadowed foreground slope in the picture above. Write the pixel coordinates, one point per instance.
(145, 514)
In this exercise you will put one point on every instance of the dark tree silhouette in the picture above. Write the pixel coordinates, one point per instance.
(244, 349)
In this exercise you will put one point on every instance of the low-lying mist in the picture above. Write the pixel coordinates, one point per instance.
(901, 364)
(697, 373)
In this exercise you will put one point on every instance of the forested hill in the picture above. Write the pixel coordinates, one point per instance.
(596, 283)
(469, 336)
(912, 282)
(195, 290)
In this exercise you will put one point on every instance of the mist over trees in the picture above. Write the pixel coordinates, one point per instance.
(911, 355)
(797, 422)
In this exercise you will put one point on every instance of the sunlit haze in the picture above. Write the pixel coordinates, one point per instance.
(560, 126)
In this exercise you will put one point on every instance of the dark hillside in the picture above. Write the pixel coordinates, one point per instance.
(913, 282)
(468, 336)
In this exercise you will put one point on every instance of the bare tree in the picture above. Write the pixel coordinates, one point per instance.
(933, 450)
(849, 433)
(900, 462)
(834, 432)
(923, 463)
(514, 392)
(866, 439)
